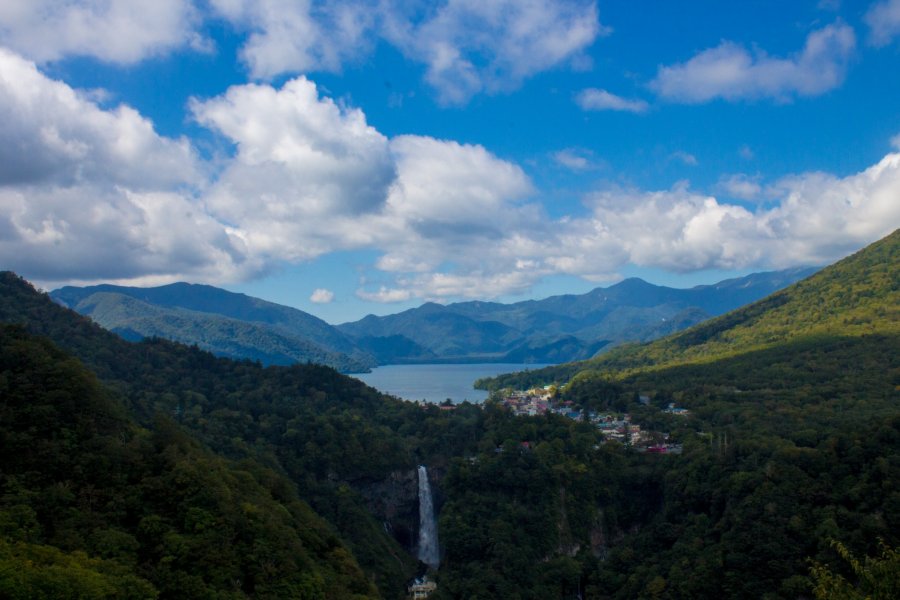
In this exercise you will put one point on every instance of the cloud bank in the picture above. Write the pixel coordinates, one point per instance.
(103, 196)
(597, 99)
(116, 31)
(731, 72)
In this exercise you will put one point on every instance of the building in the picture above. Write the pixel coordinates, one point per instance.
(422, 588)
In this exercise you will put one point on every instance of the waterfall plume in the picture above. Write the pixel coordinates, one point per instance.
(429, 551)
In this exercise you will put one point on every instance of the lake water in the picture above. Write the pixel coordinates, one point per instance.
(436, 383)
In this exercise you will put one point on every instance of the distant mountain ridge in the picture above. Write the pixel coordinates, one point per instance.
(567, 327)
(552, 330)
(223, 322)
(856, 297)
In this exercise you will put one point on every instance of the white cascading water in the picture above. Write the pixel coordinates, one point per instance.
(429, 552)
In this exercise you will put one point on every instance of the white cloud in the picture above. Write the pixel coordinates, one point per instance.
(596, 99)
(450, 184)
(684, 157)
(88, 193)
(107, 233)
(576, 159)
(731, 72)
(467, 46)
(295, 36)
(812, 219)
(740, 186)
(50, 133)
(117, 31)
(107, 198)
(305, 171)
(384, 295)
(471, 46)
(322, 296)
(815, 219)
(895, 142)
(883, 19)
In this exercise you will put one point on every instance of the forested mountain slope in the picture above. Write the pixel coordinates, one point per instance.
(554, 329)
(859, 295)
(225, 323)
(568, 327)
(158, 515)
(307, 422)
(790, 444)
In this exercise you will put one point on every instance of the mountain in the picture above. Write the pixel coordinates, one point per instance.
(96, 506)
(225, 323)
(157, 464)
(556, 329)
(568, 327)
(858, 296)
(306, 431)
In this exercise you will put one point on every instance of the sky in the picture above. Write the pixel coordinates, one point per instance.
(358, 157)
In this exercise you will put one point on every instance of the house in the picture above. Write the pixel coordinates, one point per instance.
(422, 588)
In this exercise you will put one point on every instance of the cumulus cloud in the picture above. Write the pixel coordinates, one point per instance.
(816, 218)
(89, 193)
(467, 46)
(576, 159)
(294, 36)
(470, 46)
(729, 71)
(883, 19)
(117, 31)
(50, 133)
(597, 99)
(895, 142)
(685, 158)
(811, 219)
(108, 198)
(321, 296)
(96, 233)
(304, 172)
(740, 186)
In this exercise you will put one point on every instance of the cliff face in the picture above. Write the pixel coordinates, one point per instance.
(395, 501)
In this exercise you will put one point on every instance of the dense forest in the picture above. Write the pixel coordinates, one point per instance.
(153, 469)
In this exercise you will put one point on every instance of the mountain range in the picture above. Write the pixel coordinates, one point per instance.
(857, 296)
(552, 330)
(153, 469)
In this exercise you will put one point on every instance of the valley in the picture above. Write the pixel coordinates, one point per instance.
(783, 413)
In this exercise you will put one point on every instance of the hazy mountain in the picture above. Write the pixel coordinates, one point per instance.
(225, 323)
(789, 445)
(556, 329)
(568, 327)
(857, 296)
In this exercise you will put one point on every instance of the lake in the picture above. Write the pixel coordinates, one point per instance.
(436, 383)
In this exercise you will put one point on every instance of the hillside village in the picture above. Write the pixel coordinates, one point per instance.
(615, 427)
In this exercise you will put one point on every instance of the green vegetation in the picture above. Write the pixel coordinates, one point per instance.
(94, 506)
(857, 296)
(154, 468)
(134, 320)
(878, 578)
(561, 328)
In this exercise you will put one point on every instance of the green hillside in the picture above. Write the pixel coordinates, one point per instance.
(568, 327)
(94, 506)
(307, 422)
(791, 445)
(859, 295)
(223, 336)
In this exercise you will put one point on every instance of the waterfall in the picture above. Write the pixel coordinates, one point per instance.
(429, 551)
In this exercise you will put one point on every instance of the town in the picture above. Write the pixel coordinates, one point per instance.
(615, 427)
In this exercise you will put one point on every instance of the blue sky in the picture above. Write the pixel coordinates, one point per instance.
(363, 157)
